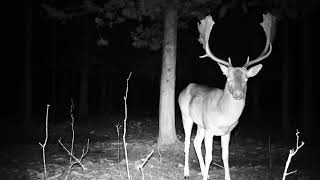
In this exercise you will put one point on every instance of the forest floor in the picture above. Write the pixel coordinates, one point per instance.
(249, 158)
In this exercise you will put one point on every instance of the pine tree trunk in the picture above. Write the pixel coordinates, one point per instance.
(256, 106)
(307, 80)
(167, 131)
(103, 95)
(286, 124)
(109, 98)
(28, 73)
(53, 56)
(84, 72)
(53, 104)
(83, 104)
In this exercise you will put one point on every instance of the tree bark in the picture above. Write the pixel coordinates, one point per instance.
(109, 98)
(286, 124)
(103, 94)
(307, 81)
(28, 72)
(84, 72)
(53, 56)
(167, 131)
(256, 105)
(83, 104)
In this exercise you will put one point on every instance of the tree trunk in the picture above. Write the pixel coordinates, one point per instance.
(167, 131)
(286, 124)
(285, 121)
(307, 81)
(53, 56)
(84, 71)
(109, 98)
(53, 104)
(28, 73)
(103, 94)
(256, 106)
(83, 104)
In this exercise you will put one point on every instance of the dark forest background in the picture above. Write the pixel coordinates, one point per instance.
(58, 53)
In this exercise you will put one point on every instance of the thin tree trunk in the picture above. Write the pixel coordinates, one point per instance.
(53, 56)
(53, 95)
(83, 106)
(307, 81)
(286, 124)
(256, 106)
(28, 72)
(167, 130)
(109, 98)
(103, 94)
(84, 72)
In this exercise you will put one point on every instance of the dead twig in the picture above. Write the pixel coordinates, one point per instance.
(44, 145)
(77, 161)
(118, 131)
(292, 152)
(269, 154)
(145, 161)
(125, 126)
(72, 128)
(160, 156)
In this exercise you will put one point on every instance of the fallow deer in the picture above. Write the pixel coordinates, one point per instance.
(216, 111)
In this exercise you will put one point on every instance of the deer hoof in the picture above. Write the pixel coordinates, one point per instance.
(186, 177)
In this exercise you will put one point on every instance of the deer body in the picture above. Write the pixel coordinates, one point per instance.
(216, 111)
(210, 108)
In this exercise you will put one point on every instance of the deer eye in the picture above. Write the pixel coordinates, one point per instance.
(228, 79)
(246, 79)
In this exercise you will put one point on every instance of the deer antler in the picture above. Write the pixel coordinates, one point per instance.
(205, 27)
(268, 21)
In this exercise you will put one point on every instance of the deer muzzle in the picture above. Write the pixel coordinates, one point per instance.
(238, 94)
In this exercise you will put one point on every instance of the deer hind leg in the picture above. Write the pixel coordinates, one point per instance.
(187, 126)
(225, 155)
(197, 146)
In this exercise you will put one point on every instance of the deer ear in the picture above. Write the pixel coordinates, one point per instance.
(224, 69)
(254, 70)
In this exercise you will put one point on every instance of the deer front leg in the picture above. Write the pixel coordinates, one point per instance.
(208, 158)
(225, 155)
(187, 125)
(197, 142)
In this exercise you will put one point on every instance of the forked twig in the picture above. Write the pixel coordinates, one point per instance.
(76, 160)
(292, 152)
(71, 153)
(44, 145)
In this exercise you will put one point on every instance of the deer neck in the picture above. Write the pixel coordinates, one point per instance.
(229, 105)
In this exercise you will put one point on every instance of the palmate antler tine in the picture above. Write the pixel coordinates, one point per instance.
(205, 27)
(267, 24)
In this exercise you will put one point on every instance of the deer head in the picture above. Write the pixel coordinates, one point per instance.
(237, 77)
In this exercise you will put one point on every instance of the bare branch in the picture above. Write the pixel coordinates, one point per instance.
(292, 152)
(44, 144)
(72, 128)
(125, 125)
(118, 126)
(145, 161)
